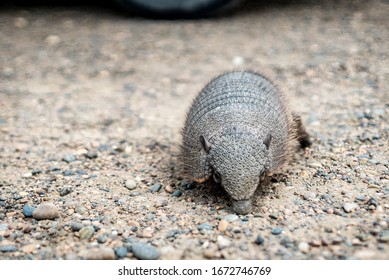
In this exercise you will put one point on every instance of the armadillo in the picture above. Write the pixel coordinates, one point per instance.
(237, 130)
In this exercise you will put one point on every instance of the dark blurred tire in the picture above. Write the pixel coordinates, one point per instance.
(174, 8)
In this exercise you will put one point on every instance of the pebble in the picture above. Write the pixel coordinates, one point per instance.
(259, 240)
(8, 248)
(130, 184)
(274, 216)
(309, 196)
(238, 61)
(134, 194)
(28, 249)
(46, 211)
(53, 40)
(204, 226)
(384, 236)
(145, 252)
(121, 252)
(28, 210)
(65, 191)
(361, 197)
(350, 207)
(231, 218)
(69, 158)
(276, 230)
(303, 247)
(337, 240)
(286, 242)
(373, 201)
(223, 242)
(20, 22)
(315, 243)
(87, 232)
(169, 189)
(223, 225)
(3, 227)
(155, 188)
(100, 254)
(101, 239)
(80, 209)
(91, 155)
(177, 193)
(76, 226)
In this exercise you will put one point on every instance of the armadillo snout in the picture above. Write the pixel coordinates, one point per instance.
(242, 206)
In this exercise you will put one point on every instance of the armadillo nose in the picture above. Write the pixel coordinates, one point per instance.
(241, 206)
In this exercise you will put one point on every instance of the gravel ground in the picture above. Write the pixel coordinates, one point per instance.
(92, 103)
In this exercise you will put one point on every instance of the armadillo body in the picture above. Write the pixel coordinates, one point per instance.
(237, 129)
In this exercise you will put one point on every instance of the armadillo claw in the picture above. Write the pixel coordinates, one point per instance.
(241, 206)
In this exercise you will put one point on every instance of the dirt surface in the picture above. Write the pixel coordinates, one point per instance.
(92, 103)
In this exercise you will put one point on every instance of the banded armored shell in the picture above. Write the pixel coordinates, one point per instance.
(237, 129)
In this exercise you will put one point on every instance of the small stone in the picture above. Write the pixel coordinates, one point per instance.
(87, 232)
(20, 22)
(330, 211)
(361, 197)
(303, 247)
(145, 252)
(315, 243)
(337, 240)
(80, 209)
(223, 225)
(46, 211)
(177, 193)
(304, 173)
(75, 226)
(155, 188)
(147, 232)
(134, 194)
(100, 254)
(231, 218)
(259, 240)
(36, 171)
(350, 207)
(53, 40)
(28, 249)
(27, 175)
(65, 191)
(286, 242)
(3, 227)
(274, 216)
(69, 158)
(276, 231)
(309, 196)
(101, 239)
(8, 248)
(384, 236)
(91, 155)
(288, 212)
(238, 61)
(169, 189)
(121, 252)
(204, 226)
(223, 242)
(373, 201)
(130, 184)
(28, 210)
(209, 253)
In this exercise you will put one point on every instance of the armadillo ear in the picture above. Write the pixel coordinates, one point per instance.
(267, 141)
(205, 144)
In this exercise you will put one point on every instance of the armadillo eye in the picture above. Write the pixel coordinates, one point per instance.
(216, 177)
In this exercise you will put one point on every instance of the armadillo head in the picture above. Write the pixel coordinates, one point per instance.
(238, 161)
